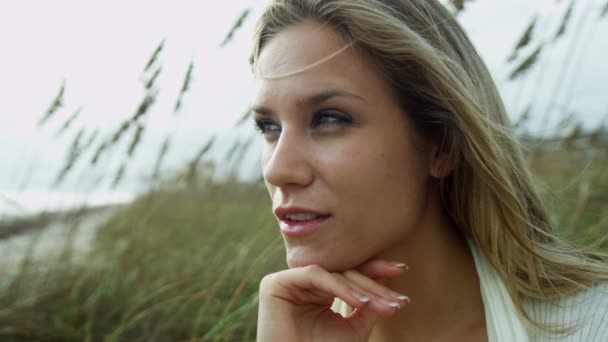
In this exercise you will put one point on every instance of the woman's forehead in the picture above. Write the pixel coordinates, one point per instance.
(300, 46)
(308, 59)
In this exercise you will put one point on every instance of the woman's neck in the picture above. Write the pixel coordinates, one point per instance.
(442, 282)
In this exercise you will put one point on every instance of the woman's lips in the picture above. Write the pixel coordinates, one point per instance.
(293, 228)
(299, 221)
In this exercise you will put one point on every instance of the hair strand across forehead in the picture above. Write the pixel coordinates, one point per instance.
(258, 75)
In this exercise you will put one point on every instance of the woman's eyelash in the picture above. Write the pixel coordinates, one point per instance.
(326, 117)
(331, 117)
(262, 126)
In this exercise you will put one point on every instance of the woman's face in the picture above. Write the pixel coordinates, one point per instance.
(337, 144)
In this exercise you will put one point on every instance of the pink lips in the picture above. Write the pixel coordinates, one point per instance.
(293, 228)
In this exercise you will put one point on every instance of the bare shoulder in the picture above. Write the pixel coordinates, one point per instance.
(585, 312)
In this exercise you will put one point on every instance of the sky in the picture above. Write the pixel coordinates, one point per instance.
(100, 49)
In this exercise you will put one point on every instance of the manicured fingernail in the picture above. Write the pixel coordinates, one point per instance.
(393, 305)
(403, 298)
(362, 298)
(401, 265)
(400, 296)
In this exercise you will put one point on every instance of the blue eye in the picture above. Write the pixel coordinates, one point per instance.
(323, 119)
(330, 118)
(266, 126)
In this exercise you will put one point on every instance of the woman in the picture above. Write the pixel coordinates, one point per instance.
(386, 144)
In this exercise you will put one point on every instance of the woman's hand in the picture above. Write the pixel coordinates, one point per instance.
(295, 304)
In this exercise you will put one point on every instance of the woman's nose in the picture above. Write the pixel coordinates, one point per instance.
(287, 162)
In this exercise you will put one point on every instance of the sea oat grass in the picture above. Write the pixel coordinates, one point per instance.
(185, 264)
(173, 265)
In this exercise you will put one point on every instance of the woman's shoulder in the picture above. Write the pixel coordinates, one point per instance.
(586, 312)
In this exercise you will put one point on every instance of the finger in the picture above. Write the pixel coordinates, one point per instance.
(383, 294)
(379, 304)
(297, 285)
(380, 269)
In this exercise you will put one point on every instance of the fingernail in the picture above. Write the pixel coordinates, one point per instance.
(401, 265)
(403, 298)
(393, 305)
(360, 297)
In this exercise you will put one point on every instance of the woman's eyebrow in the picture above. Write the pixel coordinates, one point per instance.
(311, 101)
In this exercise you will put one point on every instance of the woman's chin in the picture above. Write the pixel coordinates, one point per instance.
(301, 258)
(331, 263)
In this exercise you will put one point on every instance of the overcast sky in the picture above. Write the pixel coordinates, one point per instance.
(100, 49)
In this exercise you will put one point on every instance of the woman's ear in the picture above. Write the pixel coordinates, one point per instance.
(442, 162)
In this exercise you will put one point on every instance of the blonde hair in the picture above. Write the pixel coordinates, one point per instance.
(447, 91)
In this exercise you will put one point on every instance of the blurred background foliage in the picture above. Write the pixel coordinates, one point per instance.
(184, 259)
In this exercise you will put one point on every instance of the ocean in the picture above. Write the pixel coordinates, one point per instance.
(31, 202)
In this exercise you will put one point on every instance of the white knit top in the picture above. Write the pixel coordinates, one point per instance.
(587, 312)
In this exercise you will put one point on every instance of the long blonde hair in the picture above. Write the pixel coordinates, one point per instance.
(448, 92)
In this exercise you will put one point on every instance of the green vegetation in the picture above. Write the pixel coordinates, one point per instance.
(185, 264)
(182, 265)
(574, 182)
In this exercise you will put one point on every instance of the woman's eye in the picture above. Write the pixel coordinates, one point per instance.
(330, 118)
(266, 127)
